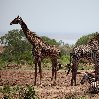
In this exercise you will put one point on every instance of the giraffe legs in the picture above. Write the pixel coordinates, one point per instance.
(40, 70)
(38, 63)
(52, 72)
(54, 69)
(35, 73)
(55, 65)
(97, 71)
(74, 72)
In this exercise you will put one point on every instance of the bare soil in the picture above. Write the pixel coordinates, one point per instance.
(62, 89)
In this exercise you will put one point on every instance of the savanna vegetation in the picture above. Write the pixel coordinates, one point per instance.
(17, 49)
(17, 52)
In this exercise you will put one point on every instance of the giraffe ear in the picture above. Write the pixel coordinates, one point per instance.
(18, 16)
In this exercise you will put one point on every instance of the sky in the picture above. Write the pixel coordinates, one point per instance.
(65, 20)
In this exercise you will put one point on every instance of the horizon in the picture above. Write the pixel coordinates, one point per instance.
(70, 42)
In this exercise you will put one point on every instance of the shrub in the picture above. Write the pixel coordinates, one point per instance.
(27, 93)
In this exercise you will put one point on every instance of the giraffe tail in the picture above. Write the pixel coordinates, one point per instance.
(60, 54)
(69, 68)
(69, 65)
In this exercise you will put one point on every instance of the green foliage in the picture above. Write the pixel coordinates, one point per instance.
(2, 64)
(82, 97)
(65, 59)
(26, 92)
(61, 42)
(85, 39)
(50, 41)
(66, 49)
(85, 66)
(6, 90)
(29, 93)
(16, 46)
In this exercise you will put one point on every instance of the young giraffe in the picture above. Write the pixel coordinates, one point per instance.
(89, 52)
(40, 49)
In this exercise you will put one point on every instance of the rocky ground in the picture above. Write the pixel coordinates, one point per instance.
(62, 89)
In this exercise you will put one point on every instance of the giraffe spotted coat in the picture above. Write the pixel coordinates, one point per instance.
(40, 49)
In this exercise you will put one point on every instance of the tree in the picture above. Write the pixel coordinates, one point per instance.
(50, 41)
(16, 46)
(86, 38)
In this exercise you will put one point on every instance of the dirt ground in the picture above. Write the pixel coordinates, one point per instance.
(47, 90)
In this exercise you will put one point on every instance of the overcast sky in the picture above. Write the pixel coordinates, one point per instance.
(65, 20)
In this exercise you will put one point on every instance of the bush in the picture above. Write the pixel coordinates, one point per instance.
(65, 59)
(83, 66)
(26, 92)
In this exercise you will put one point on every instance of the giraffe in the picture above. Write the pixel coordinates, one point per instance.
(90, 51)
(93, 83)
(40, 49)
(88, 77)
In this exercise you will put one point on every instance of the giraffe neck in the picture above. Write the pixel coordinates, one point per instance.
(29, 35)
(37, 42)
(24, 26)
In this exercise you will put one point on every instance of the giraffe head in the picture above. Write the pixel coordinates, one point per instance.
(88, 77)
(17, 20)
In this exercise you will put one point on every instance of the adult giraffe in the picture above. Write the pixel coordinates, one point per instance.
(90, 51)
(40, 49)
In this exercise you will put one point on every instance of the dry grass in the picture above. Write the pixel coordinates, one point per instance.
(47, 90)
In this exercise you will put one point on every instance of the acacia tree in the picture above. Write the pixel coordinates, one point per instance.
(16, 47)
